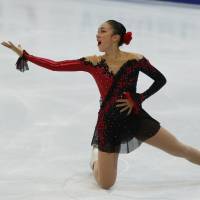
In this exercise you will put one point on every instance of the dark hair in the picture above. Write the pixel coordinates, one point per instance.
(118, 28)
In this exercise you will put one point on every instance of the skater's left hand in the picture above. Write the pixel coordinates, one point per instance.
(127, 103)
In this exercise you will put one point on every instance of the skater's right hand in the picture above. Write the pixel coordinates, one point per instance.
(17, 49)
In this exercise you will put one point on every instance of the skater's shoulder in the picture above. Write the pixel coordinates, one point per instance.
(134, 56)
(93, 59)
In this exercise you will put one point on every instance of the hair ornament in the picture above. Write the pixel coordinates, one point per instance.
(127, 37)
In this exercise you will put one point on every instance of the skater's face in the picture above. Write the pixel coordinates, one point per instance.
(105, 37)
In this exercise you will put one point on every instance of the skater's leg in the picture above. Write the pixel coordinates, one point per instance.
(105, 169)
(170, 144)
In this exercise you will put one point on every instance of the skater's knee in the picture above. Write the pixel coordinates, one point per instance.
(106, 184)
(106, 180)
(107, 169)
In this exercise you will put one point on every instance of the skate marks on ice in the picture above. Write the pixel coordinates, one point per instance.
(81, 185)
(84, 183)
(126, 189)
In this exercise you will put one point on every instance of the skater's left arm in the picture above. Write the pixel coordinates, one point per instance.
(136, 99)
(159, 79)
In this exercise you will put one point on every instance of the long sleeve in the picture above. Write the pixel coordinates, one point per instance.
(64, 65)
(159, 79)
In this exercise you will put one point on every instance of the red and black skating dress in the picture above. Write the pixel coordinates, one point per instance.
(115, 131)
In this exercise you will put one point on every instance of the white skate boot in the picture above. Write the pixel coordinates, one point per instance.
(94, 156)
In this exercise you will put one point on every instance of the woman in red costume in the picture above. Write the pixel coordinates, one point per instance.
(122, 123)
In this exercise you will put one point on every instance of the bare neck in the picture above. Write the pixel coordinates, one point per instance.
(113, 55)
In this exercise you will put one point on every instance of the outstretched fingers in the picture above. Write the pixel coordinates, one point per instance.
(6, 44)
(17, 49)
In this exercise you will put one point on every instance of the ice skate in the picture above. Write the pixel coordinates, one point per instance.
(94, 156)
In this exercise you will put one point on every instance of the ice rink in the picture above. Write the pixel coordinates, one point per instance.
(47, 118)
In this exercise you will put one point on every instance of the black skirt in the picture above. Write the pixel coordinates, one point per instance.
(123, 139)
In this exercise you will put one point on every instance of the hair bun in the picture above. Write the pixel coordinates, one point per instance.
(127, 37)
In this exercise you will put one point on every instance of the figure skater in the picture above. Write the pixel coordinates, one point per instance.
(122, 124)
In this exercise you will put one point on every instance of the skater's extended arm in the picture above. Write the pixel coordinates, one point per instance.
(64, 65)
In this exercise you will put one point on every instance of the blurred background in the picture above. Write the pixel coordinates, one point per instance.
(47, 118)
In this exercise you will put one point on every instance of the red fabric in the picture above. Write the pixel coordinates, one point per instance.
(64, 65)
(109, 129)
(100, 73)
(127, 37)
(103, 81)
